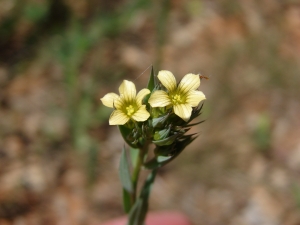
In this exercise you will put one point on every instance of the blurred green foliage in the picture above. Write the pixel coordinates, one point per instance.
(35, 12)
(296, 192)
(262, 134)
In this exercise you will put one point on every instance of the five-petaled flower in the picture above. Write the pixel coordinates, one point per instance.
(128, 105)
(182, 97)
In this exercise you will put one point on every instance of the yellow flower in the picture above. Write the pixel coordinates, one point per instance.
(128, 105)
(182, 97)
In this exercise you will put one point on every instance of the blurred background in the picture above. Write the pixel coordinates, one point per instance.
(58, 155)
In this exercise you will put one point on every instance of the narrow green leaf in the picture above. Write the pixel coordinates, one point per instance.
(134, 154)
(126, 201)
(159, 161)
(155, 163)
(124, 172)
(139, 210)
(125, 132)
(145, 193)
(151, 85)
(134, 212)
(151, 82)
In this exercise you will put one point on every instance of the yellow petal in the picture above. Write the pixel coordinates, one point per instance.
(108, 99)
(159, 99)
(184, 111)
(194, 97)
(118, 118)
(118, 103)
(141, 115)
(168, 80)
(189, 82)
(142, 93)
(127, 91)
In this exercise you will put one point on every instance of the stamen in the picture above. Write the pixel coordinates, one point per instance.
(130, 110)
(176, 99)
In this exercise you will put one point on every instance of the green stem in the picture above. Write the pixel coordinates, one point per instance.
(139, 201)
(135, 176)
(136, 171)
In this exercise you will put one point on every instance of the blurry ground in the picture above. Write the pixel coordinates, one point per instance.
(59, 157)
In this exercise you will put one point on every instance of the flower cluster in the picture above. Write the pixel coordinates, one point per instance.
(159, 114)
(182, 97)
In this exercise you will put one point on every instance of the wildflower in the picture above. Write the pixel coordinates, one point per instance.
(128, 105)
(182, 97)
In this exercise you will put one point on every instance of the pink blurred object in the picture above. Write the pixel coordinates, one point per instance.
(159, 218)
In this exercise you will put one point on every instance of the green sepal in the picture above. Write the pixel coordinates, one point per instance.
(194, 124)
(158, 135)
(139, 210)
(196, 112)
(166, 141)
(163, 150)
(125, 132)
(159, 121)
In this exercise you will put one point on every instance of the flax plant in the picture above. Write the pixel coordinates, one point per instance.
(158, 115)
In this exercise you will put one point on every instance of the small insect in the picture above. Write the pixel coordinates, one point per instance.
(203, 77)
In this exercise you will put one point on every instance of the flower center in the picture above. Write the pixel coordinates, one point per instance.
(129, 110)
(177, 99)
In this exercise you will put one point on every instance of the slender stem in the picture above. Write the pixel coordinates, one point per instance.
(138, 214)
(135, 175)
(136, 171)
